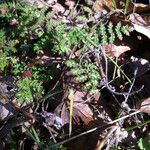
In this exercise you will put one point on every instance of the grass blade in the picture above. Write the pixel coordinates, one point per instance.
(71, 98)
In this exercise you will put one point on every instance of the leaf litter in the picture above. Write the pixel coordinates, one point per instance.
(87, 111)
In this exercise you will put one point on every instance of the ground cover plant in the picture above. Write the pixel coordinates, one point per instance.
(74, 75)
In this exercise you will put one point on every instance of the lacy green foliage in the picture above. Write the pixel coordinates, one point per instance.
(61, 40)
(3, 61)
(87, 74)
(29, 90)
(113, 32)
(31, 31)
(43, 73)
(103, 34)
(18, 67)
(6, 49)
(3, 57)
(22, 33)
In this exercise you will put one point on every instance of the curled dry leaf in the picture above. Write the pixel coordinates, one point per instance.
(140, 25)
(140, 5)
(27, 73)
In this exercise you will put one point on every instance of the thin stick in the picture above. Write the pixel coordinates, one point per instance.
(94, 129)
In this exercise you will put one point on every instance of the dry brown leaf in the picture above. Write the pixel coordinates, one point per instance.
(81, 110)
(118, 50)
(137, 19)
(143, 30)
(139, 7)
(101, 5)
(140, 25)
(84, 112)
(115, 50)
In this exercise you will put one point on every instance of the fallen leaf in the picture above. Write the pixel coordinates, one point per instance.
(81, 110)
(116, 51)
(140, 25)
(141, 7)
(143, 30)
(84, 112)
(101, 5)
(138, 7)
(6, 110)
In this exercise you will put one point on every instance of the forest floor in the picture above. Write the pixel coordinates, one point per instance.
(74, 75)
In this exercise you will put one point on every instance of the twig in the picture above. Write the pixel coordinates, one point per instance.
(109, 87)
(50, 131)
(94, 129)
(131, 86)
(102, 143)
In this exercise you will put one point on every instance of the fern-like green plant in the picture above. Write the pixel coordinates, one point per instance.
(36, 31)
(103, 34)
(112, 34)
(29, 90)
(3, 61)
(87, 74)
